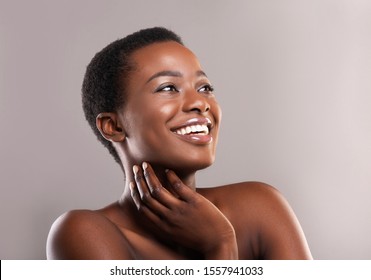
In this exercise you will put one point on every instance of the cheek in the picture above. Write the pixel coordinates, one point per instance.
(146, 122)
(167, 109)
(219, 112)
(216, 111)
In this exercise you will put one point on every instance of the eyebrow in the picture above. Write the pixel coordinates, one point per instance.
(171, 73)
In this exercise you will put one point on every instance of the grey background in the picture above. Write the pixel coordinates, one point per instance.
(292, 77)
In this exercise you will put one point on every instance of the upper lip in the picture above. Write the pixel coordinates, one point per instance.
(194, 121)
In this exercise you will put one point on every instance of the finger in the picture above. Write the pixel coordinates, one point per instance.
(135, 195)
(144, 193)
(156, 189)
(184, 192)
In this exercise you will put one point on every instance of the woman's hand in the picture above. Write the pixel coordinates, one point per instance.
(183, 215)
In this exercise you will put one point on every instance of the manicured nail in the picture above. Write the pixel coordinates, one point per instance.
(131, 185)
(135, 169)
(144, 165)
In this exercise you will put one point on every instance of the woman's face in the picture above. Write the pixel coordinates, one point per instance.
(171, 117)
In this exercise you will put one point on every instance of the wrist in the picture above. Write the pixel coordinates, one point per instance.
(225, 250)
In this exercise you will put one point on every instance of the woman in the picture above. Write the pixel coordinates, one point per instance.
(151, 104)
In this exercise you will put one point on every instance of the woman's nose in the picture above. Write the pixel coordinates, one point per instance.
(195, 101)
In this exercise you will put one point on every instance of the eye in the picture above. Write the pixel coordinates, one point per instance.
(167, 88)
(206, 88)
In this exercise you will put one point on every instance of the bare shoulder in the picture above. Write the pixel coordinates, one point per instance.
(262, 213)
(86, 234)
(250, 200)
(246, 194)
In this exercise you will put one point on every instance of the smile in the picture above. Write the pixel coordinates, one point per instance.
(200, 129)
(196, 130)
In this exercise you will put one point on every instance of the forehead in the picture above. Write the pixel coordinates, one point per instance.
(164, 56)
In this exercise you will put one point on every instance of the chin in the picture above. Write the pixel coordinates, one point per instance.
(191, 165)
(181, 160)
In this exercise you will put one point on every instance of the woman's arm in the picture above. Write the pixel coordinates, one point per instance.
(84, 234)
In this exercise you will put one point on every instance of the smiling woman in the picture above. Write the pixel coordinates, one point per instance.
(151, 104)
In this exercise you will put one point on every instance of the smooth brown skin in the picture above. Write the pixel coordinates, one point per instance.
(161, 214)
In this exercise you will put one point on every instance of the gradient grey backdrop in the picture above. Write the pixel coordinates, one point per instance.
(293, 79)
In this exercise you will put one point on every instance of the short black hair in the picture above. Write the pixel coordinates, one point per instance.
(103, 88)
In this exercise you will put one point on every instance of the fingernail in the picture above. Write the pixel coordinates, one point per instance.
(144, 165)
(166, 170)
(135, 169)
(131, 185)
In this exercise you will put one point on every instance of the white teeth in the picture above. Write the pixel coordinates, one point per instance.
(201, 129)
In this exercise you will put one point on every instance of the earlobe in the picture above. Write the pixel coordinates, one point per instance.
(109, 126)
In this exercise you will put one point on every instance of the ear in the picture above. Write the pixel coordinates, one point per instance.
(109, 126)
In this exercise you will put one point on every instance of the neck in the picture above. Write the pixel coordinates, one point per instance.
(188, 178)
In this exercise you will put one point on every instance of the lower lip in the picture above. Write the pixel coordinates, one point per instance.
(196, 138)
